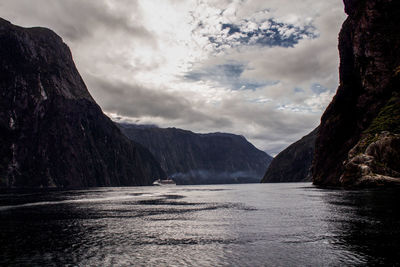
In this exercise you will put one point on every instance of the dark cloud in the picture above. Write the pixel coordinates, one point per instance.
(298, 90)
(231, 27)
(75, 20)
(226, 75)
(265, 33)
(137, 101)
(187, 63)
(318, 88)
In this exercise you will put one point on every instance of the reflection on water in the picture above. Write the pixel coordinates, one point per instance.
(368, 223)
(219, 225)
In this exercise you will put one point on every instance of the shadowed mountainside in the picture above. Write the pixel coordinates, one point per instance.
(53, 134)
(191, 158)
(359, 143)
(294, 163)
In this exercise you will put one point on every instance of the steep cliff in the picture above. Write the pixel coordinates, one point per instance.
(294, 163)
(191, 158)
(52, 132)
(367, 100)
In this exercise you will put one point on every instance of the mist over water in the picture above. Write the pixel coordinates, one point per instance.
(216, 177)
(218, 225)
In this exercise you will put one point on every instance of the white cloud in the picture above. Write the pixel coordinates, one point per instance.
(135, 57)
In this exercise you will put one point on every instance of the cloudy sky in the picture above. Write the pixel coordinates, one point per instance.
(265, 69)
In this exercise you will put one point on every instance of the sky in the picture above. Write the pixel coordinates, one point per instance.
(264, 69)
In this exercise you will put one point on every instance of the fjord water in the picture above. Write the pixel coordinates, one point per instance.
(220, 225)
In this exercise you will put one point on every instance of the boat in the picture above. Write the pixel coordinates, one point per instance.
(167, 181)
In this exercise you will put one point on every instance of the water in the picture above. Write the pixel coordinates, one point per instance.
(218, 225)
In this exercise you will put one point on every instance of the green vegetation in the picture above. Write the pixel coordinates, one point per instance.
(397, 71)
(388, 118)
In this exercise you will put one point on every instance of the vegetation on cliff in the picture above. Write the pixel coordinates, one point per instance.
(364, 115)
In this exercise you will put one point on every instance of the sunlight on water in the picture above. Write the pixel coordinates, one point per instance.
(219, 225)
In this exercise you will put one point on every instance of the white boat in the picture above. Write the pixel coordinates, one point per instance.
(167, 181)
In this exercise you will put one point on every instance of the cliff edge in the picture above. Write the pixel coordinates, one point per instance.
(53, 134)
(358, 142)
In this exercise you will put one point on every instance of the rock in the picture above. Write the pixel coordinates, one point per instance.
(191, 158)
(53, 133)
(294, 163)
(366, 102)
(378, 164)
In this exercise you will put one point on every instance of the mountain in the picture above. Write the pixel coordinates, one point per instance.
(53, 134)
(359, 143)
(192, 158)
(294, 163)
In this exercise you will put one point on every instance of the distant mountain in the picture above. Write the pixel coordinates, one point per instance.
(359, 138)
(52, 132)
(294, 163)
(192, 158)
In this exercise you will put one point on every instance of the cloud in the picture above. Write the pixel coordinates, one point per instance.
(265, 33)
(136, 103)
(227, 75)
(306, 61)
(188, 63)
(75, 20)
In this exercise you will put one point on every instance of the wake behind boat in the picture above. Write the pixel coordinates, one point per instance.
(164, 182)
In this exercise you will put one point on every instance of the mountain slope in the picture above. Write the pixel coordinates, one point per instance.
(366, 104)
(191, 158)
(53, 133)
(294, 163)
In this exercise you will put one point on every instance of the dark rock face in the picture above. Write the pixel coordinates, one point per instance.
(369, 82)
(52, 132)
(294, 163)
(191, 158)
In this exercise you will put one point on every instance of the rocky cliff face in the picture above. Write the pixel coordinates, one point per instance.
(375, 164)
(191, 158)
(294, 163)
(52, 132)
(367, 100)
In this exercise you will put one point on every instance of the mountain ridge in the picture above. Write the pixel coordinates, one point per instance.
(192, 158)
(53, 132)
(293, 164)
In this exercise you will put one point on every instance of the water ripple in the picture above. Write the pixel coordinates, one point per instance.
(220, 225)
